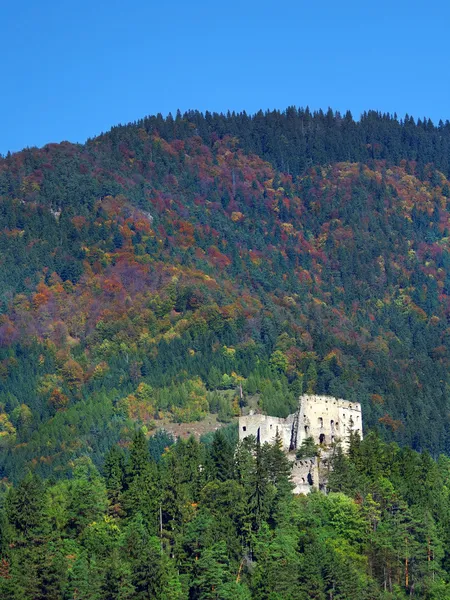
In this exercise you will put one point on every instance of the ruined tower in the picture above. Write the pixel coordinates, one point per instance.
(325, 419)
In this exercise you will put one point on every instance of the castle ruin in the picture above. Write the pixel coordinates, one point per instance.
(323, 418)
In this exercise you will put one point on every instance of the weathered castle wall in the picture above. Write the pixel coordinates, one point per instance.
(327, 419)
(304, 475)
(265, 428)
(324, 418)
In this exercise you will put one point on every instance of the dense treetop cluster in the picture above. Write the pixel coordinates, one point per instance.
(217, 521)
(296, 139)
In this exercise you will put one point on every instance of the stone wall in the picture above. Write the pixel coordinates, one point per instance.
(304, 474)
(265, 428)
(324, 418)
(327, 419)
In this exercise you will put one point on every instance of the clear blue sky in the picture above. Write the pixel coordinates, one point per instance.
(72, 69)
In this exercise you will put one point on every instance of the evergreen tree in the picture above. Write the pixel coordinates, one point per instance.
(221, 457)
(25, 508)
(143, 493)
(114, 473)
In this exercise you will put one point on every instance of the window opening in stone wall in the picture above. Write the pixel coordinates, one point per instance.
(332, 423)
(271, 426)
(244, 428)
(321, 438)
(310, 479)
(320, 421)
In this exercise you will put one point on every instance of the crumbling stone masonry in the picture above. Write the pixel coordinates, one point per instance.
(324, 418)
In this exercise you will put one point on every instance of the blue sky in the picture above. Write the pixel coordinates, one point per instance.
(71, 70)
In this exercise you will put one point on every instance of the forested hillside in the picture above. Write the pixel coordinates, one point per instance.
(152, 271)
(217, 521)
(176, 268)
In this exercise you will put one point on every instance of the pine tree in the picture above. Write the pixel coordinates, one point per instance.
(279, 466)
(114, 472)
(144, 550)
(343, 476)
(143, 491)
(87, 498)
(222, 457)
(261, 493)
(25, 508)
(84, 581)
(175, 501)
(117, 579)
(277, 565)
(139, 458)
(212, 571)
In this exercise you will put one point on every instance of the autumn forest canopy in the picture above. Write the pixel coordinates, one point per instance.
(187, 268)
